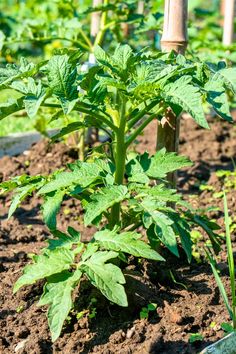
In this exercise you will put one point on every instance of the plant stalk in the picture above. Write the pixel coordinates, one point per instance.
(120, 157)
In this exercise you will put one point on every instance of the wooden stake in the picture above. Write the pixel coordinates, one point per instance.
(174, 35)
(228, 33)
(222, 8)
(140, 9)
(174, 38)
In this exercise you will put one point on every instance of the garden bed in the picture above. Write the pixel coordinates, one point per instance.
(189, 304)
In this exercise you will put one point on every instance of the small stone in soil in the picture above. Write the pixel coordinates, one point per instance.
(130, 332)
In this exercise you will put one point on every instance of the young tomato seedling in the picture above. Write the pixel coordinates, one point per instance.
(119, 192)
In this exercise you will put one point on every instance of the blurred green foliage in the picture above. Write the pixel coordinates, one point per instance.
(35, 29)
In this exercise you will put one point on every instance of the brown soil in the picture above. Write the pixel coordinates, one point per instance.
(192, 305)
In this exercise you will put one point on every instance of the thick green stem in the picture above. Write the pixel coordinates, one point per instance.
(120, 157)
(102, 30)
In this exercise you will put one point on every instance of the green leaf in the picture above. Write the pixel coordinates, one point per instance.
(83, 176)
(20, 194)
(188, 97)
(220, 284)
(51, 207)
(207, 227)
(163, 226)
(230, 255)
(57, 294)
(161, 193)
(105, 198)
(127, 242)
(11, 106)
(107, 277)
(13, 72)
(119, 63)
(34, 98)
(62, 79)
(182, 228)
(135, 172)
(217, 97)
(122, 56)
(63, 239)
(49, 263)
(164, 162)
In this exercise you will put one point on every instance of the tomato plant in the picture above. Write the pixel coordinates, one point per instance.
(119, 192)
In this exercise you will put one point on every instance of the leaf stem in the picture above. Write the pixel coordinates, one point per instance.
(103, 26)
(86, 38)
(140, 115)
(82, 109)
(141, 127)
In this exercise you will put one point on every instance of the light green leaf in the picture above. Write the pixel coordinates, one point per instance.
(57, 294)
(49, 263)
(184, 94)
(103, 200)
(164, 162)
(107, 277)
(127, 242)
(51, 207)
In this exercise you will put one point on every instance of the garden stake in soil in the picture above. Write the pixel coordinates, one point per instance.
(174, 38)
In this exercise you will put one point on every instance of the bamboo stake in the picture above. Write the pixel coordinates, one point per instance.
(174, 35)
(222, 8)
(228, 33)
(174, 38)
(140, 9)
